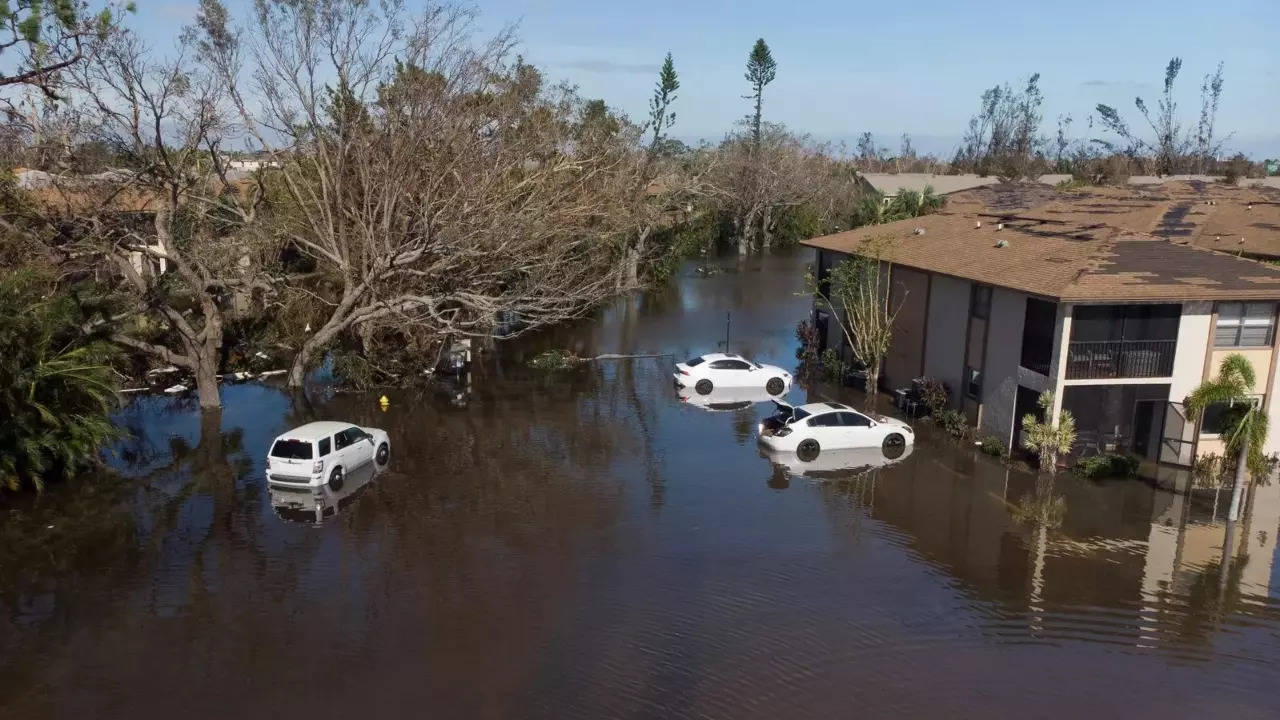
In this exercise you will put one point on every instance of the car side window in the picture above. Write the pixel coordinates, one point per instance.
(730, 365)
(341, 440)
(825, 420)
(325, 447)
(852, 419)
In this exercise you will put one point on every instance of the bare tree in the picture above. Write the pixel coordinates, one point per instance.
(39, 40)
(163, 223)
(1004, 137)
(435, 183)
(858, 290)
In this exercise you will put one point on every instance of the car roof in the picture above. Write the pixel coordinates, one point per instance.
(822, 407)
(317, 430)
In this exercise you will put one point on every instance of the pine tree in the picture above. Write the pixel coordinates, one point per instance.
(761, 70)
(664, 94)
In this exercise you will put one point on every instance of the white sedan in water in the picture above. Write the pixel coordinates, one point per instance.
(708, 372)
(323, 452)
(807, 430)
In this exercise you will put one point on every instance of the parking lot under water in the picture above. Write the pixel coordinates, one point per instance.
(583, 543)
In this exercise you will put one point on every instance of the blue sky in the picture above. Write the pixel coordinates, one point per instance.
(892, 67)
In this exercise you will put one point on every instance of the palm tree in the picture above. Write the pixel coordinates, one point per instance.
(1244, 430)
(56, 388)
(1046, 439)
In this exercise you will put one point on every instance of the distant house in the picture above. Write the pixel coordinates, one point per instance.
(1080, 295)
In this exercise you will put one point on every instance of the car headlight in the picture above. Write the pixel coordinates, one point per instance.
(317, 467)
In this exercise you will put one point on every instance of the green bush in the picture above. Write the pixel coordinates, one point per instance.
(994, 446)
(935, 395)
(1104, 466)
(554, 360)
(833, 367)
(953, 423)
(57, 387)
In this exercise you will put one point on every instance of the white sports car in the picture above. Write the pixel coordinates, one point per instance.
(322, 452)
(809, 429)
(707, 372)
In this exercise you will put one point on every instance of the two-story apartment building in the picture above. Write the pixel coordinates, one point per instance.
(1121, 324)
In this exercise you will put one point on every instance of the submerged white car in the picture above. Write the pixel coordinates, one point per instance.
(322, 453)
(708, 372)
(807, 430)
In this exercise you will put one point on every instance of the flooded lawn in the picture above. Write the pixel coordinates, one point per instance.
(587, 544)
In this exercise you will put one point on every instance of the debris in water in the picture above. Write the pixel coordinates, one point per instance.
(175, 389)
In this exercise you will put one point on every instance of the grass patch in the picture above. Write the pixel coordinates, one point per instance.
(554, 360)
(1105, 466)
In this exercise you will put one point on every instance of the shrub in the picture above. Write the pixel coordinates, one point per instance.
(807, 334)
(953, 423)
(934, 395)
(1104, 466)
(832, 365)
(994, 446)
(554, 360)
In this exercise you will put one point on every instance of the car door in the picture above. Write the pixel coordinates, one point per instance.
(825, 428)
(856, 430)
(730, 373)
(360, 447)
(342, 451)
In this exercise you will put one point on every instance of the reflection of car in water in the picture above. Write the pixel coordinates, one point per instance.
(719, 370)
(723, 399)
(314, 505)
(838, 464)
(812, 429)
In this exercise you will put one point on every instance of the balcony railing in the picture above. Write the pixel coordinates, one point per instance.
(1120, 359)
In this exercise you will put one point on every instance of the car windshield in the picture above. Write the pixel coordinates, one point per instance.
(695, 361)
(797, 415)
(291, 450)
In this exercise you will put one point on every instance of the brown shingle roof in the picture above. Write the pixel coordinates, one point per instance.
(1095, 246)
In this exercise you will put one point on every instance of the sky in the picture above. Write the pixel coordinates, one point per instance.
(917, 67)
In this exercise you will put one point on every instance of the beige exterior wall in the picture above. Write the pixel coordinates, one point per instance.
(948, 318)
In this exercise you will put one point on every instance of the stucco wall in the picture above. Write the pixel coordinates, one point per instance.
(911, 289)
(1004, 352)
(948, 318)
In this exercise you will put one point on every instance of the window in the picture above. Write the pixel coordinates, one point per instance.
(1037, 335)
(324, 447)
(730, 365)
(853, 419)
(797, 415)
(1245, 325)
(973, 382)
(291, 449)
(346, 438)
(694, 362)
(1218, 417)
(980, 301)
(825, 420)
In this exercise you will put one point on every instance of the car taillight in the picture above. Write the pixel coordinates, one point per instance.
(783, 432)
(268, 463)
(682, 372)
(317, 467)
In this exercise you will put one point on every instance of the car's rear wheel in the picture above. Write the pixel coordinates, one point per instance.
(335, 479)
(383, 454)
(703, 387)
(808, 450)
(775, 386)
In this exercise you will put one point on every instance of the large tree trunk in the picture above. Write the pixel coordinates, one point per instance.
(766, 234)
(318, 341)
(207, 385)
(873, 385)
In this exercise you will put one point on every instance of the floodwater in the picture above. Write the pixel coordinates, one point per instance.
(585, 544)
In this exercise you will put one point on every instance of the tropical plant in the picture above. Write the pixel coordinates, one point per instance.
(1244, 424)
(1047, 439)
(57, 389)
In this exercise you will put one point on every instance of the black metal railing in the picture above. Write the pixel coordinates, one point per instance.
(1120, 359)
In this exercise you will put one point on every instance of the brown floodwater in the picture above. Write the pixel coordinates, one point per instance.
(585, 544)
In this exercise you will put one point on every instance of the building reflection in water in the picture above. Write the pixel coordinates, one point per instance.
(1135, 562)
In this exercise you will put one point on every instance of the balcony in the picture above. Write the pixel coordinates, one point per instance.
(1109, 359)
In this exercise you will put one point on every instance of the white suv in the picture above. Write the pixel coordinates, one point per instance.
(322, 452)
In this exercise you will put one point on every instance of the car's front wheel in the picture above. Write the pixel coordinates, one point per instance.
(703, 387)
(775, 386)
(894, 446)
(383, 454)
(335, 479)
(808, 450)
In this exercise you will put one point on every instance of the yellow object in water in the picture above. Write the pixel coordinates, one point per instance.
(384, 402)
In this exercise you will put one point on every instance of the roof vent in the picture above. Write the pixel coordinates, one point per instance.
(999, 226)
(918, 231)
(1249, 206)
(978, 224)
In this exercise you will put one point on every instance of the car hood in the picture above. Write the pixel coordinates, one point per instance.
(886, 420)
